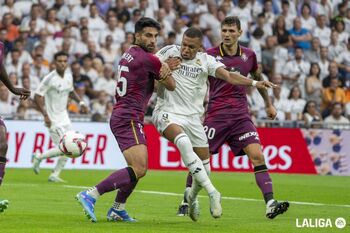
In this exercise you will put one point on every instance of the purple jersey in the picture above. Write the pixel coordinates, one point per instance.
(227, 100)
(2, 52)
(2, 55)
(136, 73)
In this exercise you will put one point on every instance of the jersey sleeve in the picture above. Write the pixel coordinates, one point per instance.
(152, 65)
(254, 63)
(213, 64)
(163, 54)
(44, 86)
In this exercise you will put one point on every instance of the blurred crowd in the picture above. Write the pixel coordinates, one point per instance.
(301, 45)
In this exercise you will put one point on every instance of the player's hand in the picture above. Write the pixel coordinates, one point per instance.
(22, 92)
(265, 85)
(165, 71)
(47, 121)
(271, 112)
(174, 63)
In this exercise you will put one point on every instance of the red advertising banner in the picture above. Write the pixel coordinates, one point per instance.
(303, 151)
(285, 151)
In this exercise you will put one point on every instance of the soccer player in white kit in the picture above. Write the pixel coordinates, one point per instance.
(177, 114)
(51, 98)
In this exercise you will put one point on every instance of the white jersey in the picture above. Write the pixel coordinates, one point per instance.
(56, 91)
(191, 82)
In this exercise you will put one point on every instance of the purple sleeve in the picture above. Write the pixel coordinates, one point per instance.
(152, 65)
(254, 64)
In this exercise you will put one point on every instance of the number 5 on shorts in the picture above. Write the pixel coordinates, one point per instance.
(210, 132)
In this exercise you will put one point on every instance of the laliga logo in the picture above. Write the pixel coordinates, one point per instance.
(320, 223)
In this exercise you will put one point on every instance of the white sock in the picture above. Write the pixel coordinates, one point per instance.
(195, 189)
(118, 206)
(270, 202)
(93, 192)
(193, 163)
(59, 166)
(206, 165)
(54, 152)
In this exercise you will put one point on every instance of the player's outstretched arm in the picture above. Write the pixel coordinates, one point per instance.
(235, 78)
(269, 108)
(166, 78)
(22, 92)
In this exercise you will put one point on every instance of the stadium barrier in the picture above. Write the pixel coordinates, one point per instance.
(303, 151)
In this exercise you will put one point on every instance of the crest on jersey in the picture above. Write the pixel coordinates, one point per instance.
(233, 69)
(244, 57)
(199, 62)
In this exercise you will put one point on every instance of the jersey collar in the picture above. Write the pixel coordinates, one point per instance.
(222, 51)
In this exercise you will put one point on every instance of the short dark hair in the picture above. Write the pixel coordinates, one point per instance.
(61, 53)
(86, 56)
(146, 22)
(173, 34)
(261, 15)
(75, 63)
(193, 32)
(136, 12)
(258, 33)
(306, 5)
(232, 20)
(84, 29)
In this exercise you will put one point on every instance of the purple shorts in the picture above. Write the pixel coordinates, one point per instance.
(236, 133)
(128, 132)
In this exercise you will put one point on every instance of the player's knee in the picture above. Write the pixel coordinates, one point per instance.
(140, 170)
(3, 148)
(257, 159)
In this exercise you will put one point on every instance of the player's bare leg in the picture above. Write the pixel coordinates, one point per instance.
(126, 178)
(263, 180)
(175, 134)
(3, 151)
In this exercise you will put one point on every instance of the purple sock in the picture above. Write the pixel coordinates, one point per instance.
(264, 182)
(2, 171)
(117, 180)
(189, 181)
(2, 168)
(124, 192)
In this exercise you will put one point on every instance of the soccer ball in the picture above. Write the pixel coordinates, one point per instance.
(73, 144)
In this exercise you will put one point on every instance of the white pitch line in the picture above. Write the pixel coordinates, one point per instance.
(225, 198)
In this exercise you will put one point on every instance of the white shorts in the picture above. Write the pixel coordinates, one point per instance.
(56, 132)
(192, 126)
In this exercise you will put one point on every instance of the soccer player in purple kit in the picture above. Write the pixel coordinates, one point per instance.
(227, 117)
(24, 94)
(137, 71)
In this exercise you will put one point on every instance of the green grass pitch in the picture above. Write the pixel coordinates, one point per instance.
(38, 206)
